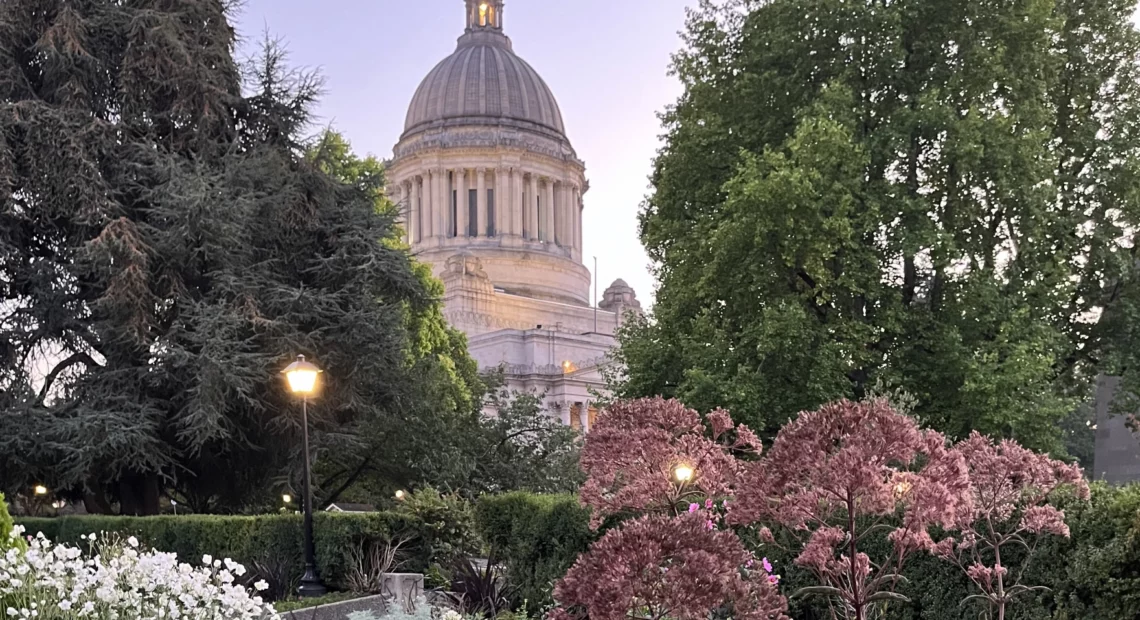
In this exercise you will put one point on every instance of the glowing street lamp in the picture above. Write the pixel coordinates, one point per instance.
(683, 473)
(400, 495)
(288, 499)
(40, 490)
(302, 378)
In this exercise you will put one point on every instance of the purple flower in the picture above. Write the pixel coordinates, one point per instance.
(749, 564)
(709, 524)
(773, 579)
(694, 507)
(767, 565)
(708, 504)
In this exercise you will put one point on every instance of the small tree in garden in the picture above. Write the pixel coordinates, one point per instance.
(659, 567)
(1011, 488)
(649, 459)
(835, 477)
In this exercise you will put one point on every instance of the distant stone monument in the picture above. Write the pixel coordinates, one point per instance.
(1116, 459)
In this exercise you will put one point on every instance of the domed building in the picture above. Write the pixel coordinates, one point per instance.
(492, 196)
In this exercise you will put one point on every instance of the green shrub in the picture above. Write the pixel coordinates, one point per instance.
(6, 523)
(447, 524)
(1095, 575)
(269, 546)
(538, 537)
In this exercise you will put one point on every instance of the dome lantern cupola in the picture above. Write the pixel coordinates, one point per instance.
(484, 15)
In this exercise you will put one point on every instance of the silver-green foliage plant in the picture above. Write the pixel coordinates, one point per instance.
(420, 610)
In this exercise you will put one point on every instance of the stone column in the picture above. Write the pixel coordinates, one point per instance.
(413, 219)
(548, 211)
(500, 198)
(481, 202)
(515, 184)
(576, 214)
(559, 231)
(439, 182)
(461, 187)
(532, 209)
(566, 202)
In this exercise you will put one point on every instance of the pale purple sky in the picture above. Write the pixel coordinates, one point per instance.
(605, 60)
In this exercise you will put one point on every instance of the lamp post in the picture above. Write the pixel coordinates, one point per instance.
(302, 378)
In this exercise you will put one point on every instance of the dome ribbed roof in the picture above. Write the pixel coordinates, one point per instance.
(484, 80)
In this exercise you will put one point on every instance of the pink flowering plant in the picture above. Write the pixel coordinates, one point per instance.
(632, 454)
(834, 478)
(673, 557)
(1011, 489)
(657, 566)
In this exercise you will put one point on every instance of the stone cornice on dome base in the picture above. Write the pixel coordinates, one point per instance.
(476, 133)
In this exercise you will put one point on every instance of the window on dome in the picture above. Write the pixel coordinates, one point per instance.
(484, 14)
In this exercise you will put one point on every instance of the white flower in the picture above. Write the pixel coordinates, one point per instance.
(133, 542)
(261, 586)
(12, 611)
(64, 605)
(207, 560)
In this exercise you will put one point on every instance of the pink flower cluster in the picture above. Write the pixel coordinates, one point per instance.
(831, 479)
(860, 457)
(1009, 503)
(672, 567)
(635, 446)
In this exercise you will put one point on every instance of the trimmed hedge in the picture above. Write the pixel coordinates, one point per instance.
(269, 546)
(538, 537)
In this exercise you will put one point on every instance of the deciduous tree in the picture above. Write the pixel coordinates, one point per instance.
(937, 194)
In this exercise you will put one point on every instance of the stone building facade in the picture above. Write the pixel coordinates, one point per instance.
(492, 196)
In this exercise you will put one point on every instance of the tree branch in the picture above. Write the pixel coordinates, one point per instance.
(49, 381)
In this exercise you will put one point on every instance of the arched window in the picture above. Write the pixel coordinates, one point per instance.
(484, 14)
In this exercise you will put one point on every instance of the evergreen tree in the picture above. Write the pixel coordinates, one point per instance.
(166, 248)
(935, 195)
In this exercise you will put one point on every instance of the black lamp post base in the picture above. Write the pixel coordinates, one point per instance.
(311, 584)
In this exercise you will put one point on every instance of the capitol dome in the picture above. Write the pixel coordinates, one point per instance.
(484, 169)
(484, 82)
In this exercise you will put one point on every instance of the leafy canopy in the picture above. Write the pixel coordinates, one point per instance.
(936, 196)
(167, 246)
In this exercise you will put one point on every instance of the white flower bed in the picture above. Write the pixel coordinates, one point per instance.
(117, 581)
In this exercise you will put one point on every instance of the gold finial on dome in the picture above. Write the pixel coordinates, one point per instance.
(484, 15)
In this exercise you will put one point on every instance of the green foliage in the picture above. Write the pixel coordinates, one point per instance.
(168, 244)
(295, 604)
(915, 195)
(447, 524)
(437, 403)
(5, 524)
(269, 546)
(538, 537)
(524, 448)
